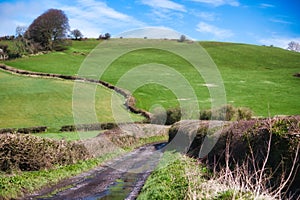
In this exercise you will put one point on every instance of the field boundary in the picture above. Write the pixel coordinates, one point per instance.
(130, 100)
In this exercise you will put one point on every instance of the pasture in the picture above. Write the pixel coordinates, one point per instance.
(257, 77)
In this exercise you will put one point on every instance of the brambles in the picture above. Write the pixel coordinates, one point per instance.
(30, 153)
(266, 148)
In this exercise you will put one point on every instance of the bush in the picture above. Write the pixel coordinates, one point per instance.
(38, 129)
(244, 113)
(31, 153)
(168, 117)
(226, 113)
(88, 127)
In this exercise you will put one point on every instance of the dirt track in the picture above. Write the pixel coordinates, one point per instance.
(121, 178)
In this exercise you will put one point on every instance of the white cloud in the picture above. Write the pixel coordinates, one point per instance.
(13, 14)
(207, 16)
(265, 5)
(164, 4)
(91, 17)
(151, 32)
(217, 32)
(95, 17)
(219, 2)
(281, 42)
(280, 21)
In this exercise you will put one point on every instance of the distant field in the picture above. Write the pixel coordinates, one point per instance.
(257, 77)
(70, 136)
(27, 102)
(66, 62)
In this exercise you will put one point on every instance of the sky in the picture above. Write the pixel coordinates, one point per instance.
(261, 22)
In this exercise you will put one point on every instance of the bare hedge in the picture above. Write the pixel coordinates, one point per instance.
(30, 153)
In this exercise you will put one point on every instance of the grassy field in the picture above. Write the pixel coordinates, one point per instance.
(27, 102)
(70, 136)
(257, 77)
(66, 62)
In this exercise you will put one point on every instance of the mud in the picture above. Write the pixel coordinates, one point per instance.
(122, 178)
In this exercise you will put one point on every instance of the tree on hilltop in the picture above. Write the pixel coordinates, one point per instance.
(48, 29)
(294, 46)
(76, 34)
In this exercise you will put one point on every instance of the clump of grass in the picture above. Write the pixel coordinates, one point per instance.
(31, 153)
(168, 181)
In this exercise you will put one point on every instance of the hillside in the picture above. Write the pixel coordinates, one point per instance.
(257, 77)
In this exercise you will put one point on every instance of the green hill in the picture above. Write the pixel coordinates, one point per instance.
(257, 77)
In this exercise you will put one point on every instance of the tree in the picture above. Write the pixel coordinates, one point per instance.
(294, 46)
(182, 38)
(20, 31)
(76, 34)
(48, 29)
(106, 36)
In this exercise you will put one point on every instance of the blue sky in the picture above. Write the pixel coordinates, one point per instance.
(252, 21)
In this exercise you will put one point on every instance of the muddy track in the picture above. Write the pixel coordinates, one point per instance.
(121, 178)
(129, 99)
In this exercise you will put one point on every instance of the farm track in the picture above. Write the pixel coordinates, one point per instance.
(129, 99)
(122, 178)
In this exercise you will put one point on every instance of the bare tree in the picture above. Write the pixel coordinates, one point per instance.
(76, 34)
(294, 46)
(48, 29)
(20, 31)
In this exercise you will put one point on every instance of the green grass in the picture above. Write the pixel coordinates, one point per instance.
(166, 182)
(27, 102)
(66, 62)
(169, 180)
(70, 136)
(257, 77)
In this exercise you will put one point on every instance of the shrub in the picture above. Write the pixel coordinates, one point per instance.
(226, 113)
(182, 38)
(30, 153)
(205, 115)
(244, 113)
(168, 117)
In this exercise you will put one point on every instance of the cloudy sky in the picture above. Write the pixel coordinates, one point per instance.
(247, 21)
